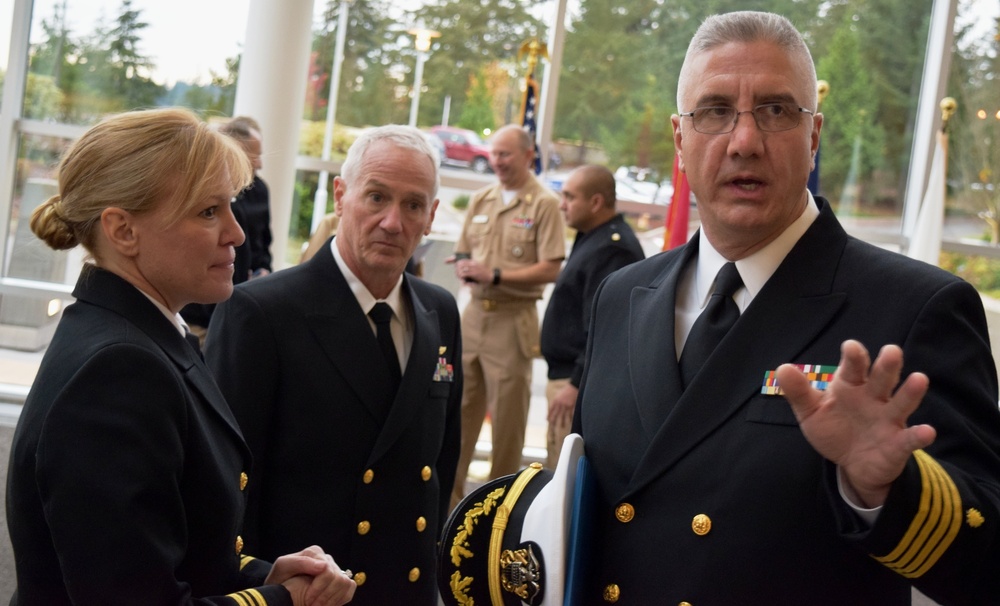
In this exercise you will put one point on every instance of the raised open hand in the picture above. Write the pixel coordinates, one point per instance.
(859, 422)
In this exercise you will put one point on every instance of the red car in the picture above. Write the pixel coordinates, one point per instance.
(463, 147)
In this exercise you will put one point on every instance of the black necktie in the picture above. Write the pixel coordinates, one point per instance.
(381, 314)
(712, 325)
(193, 341)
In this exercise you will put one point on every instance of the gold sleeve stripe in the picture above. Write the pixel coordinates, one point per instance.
(249, 597)
(244, 560)
(934, 528)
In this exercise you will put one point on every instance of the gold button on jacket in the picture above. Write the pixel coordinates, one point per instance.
(244, 478)
(364, 527)
(625, 513)
(360, 578)
(421, 524)
(369, 476)
(612, 593)
(414, 575)
(425, 473)
(239, 545)
(701, 524)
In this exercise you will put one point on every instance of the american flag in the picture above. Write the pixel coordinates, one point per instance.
(528, 114)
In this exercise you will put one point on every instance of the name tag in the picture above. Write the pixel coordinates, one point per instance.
(480, 218)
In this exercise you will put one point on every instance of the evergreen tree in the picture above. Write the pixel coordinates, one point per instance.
(474, 35)
(368, 93)
(974, 130)
(113, 74)
(49, 56)
(851, 133)
(226, 85)
(130, 70)
(892, 39)
(49, 68)
(477, 111)
(613, 90)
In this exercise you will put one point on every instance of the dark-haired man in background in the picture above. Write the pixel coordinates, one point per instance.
(604, 242)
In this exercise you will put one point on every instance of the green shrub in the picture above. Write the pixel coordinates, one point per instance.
(461, 202)
(981, 272)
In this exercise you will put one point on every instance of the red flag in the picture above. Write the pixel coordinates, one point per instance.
(677, 216)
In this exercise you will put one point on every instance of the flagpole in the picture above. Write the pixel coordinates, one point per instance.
(550, 92)
(529, 100)
(322, 195)
(933, 85)
(533, 48)
(925, 243)
(948, 108)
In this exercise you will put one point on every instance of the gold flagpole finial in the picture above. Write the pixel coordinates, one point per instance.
(822, 90)
(948, 107)
(534, 49)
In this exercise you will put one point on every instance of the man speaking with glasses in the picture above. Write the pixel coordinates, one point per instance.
(744, 447)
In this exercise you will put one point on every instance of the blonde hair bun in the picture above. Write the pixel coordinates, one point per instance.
(50, 227)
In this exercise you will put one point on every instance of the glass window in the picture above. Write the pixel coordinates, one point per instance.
(89, 58)
(973, 184)
(6, 20)
(35, 182)
(618, 90)
(29, 319)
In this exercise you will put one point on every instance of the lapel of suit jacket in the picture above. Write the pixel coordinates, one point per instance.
(652, 355)
(411, 397)
(795, 304)
(343, 332)
(106, 289)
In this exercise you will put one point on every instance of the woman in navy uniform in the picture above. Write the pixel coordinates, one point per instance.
(127, 475)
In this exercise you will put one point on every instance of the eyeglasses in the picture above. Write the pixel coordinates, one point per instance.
(770, 117)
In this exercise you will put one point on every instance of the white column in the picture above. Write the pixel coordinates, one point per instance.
(445, 113)
(418, 81)
(550, 86)
(272, 88)
(322, 195)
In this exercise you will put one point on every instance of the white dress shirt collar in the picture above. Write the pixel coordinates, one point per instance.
(695, 285)
(361, 292)
(174, 319)
(756, 269)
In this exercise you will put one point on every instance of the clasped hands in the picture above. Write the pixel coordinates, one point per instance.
(859, 422)
(312, 578)
(468, 270)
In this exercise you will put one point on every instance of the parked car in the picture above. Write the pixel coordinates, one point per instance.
(627, 189)
(437, 144)
(648, 192)
(463, 147)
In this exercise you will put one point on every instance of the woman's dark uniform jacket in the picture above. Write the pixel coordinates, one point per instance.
(724, 501)
(127, 470)
(340, 462)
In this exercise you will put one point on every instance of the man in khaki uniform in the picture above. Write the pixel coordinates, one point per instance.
(512, 245)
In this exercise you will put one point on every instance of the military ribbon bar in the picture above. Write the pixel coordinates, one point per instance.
(443, 372)
(819, 377)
